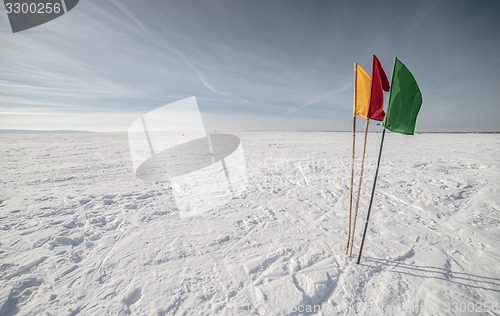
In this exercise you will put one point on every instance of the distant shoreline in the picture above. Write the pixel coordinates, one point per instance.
(313, 131)
(27, 131)
(24, 132)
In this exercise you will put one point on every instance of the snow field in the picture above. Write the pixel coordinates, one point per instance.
(81, 235)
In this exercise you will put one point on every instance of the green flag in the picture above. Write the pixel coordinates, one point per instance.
(405, 100)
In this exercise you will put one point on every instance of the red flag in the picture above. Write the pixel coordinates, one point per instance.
(379, 85)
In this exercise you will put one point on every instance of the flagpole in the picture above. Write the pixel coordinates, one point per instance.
(359, 187)
(371, 198)
(352, 160)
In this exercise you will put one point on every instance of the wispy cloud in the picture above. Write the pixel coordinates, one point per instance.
(275, 60)
(319, 99)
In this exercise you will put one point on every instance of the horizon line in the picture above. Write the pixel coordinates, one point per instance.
(69, 131)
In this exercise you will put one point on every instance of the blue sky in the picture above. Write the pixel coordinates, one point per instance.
(252, 65)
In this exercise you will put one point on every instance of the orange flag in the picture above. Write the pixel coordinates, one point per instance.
(362, 91)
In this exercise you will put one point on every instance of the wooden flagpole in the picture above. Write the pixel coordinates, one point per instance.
(352, 161)
(371, 198)
(359, 188)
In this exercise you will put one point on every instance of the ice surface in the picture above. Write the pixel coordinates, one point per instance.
(81, 235)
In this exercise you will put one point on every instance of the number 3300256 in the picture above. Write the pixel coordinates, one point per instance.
(24, 8)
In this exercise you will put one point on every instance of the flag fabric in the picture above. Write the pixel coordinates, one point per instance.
(361, 91)
(405, 100)
(378, 86)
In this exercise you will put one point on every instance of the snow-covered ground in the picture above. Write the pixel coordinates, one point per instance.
(81, 235)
